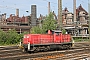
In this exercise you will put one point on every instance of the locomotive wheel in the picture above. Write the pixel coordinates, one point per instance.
(46, 49)
(35, 49)
(38, 49)
(24, 50)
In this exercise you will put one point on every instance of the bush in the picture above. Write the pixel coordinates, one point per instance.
(10, 37)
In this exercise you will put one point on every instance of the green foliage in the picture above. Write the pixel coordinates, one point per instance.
(64, 31)
(13, 37)
(22, 34)
(47, 24)
(36, 30)
(2, 37)
(79, 39)
(10, 37)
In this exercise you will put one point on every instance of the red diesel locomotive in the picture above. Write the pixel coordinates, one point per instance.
(53, 40)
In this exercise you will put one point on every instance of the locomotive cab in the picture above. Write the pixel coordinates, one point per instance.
(57, 32)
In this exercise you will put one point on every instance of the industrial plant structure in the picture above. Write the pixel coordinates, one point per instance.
(24, 23)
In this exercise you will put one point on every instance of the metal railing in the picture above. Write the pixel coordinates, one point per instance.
(81, 35)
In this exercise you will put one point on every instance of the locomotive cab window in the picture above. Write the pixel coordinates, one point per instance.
(56, 31)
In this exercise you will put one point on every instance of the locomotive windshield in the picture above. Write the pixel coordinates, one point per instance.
(56, 31)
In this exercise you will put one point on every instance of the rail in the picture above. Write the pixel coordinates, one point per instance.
(13, 53)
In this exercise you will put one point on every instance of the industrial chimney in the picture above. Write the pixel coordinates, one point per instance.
(48, 7)
(74, 10)
(33, 15)
(60, 25)
(17, 12)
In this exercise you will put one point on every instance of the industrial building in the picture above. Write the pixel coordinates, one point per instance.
(24, 23)
(81, 26)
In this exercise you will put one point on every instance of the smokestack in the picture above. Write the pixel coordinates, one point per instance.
(48, 7)
(89, 17)
(17, 12)
(60, 25)
(74, 10)
(33, 15)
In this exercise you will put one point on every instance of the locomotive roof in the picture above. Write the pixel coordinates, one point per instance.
(56, 30)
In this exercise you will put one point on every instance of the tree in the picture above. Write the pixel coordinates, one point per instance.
(49, 23)
(36, 30)
(63, 31)
(3, 37)
(12, 37)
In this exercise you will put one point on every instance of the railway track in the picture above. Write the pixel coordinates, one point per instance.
(81, 50)
(82, 44)
(64, 55)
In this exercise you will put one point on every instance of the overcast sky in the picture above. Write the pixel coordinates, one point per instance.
(9, 6)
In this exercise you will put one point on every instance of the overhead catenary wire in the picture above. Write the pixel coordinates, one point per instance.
(63, 6)
(43, 6)
(21, 6)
